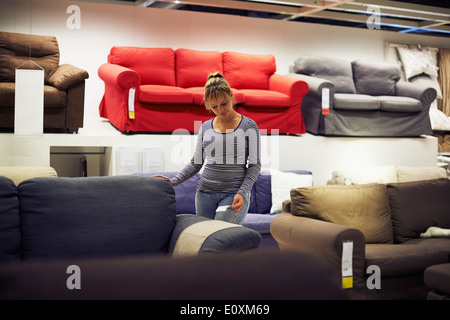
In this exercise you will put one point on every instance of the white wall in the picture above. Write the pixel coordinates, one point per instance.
(107, 25)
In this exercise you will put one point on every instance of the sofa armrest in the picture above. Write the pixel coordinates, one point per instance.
(118, 76)
(407, 89)
(193, 235)
(316, 85)
(66, 76)
(323, 239)
(293, 87)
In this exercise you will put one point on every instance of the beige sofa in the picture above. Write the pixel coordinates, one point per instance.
(372, 235)
(20, 173)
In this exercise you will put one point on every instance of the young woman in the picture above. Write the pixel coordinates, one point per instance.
(229, 146)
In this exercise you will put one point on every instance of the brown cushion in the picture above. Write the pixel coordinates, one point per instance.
(364, 207)
(66, 76)
(418, 205)
(17, 49)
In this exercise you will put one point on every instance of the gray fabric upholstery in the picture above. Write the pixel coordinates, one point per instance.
(375, 78)
(338, 71)
(9, 221)
(345, 101)
(96, 216)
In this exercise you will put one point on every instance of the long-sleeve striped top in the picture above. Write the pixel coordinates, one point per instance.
(233, 159)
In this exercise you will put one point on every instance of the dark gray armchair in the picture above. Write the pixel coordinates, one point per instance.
(361, 98)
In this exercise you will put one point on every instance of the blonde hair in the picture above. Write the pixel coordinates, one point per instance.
(216, 86)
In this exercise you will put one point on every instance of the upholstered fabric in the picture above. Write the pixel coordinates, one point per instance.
(408, 207)
(265, 98)
(363, 207)
(248, 71)
(193, 67)
(158, 94)
(96, 216)
(17, 49)
(375, 78)
(154, 65)
(9, 221)
(20, 173)
(347, 101)
(66, 76)
(338, 71)
(407, 174)
(399, 104)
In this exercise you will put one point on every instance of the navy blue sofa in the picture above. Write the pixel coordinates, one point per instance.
(259, 214)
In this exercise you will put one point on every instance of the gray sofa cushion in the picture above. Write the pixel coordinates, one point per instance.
(399, 104)
(375, 78)
(416, 206)
(96, 216)
(346, 101)
(338, 71)
(9, 221)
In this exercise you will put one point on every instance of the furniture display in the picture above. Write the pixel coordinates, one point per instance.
(386, 227)
(64, 85)
(362, 98)
(267, 195)
(68, 218)
(161, 90)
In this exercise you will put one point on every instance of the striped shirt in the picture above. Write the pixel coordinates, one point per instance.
(232, 160)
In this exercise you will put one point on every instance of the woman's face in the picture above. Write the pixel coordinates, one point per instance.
(222, 106)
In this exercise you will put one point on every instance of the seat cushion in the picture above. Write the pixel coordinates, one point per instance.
(265, 98)
(375, 78)
(198, 94)
(96, 216)
(9, 221)
(410, 257)
(154, 65)
(399, 104)
(157, 94)
(437, 277)
(248, 71)
(364, 207)
(338, 71)
(363, 102)
(193, 67)
(418, 205)
(53, 98)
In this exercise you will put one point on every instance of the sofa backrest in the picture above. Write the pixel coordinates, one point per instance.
(154, 65)
(95, 216)
(17, 49)
(375, 78)
(193, 67)
(337, 71)
(418, 205)
(248, 71)
(9, 221)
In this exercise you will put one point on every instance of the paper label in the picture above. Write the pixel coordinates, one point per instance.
(131, 95)
(325, 100)
(347, 267)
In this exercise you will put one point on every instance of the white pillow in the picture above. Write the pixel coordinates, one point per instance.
(282, 183)
(381, 174)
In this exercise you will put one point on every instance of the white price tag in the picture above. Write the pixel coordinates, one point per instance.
(347, 267)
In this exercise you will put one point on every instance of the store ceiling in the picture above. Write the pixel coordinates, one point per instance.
(419, 17)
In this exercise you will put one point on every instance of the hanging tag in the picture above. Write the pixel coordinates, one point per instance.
(131, 94)
(347, 268)
(325, 100)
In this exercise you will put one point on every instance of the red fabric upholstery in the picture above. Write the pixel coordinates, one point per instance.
(154, 65)
(248, 71)
(170, 89)
(193, 67)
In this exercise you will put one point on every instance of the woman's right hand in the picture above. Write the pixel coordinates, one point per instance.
(161, 176)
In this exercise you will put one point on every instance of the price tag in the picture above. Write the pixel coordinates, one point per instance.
(347, 267)
(131, 94)
(325, 100)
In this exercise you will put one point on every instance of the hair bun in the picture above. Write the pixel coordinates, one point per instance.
(215, 75)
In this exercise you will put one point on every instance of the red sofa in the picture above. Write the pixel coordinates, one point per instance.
(167, 89)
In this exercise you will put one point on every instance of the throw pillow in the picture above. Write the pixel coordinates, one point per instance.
(66, 76)
(381, 174)
(364, 207)
(282, 183)
(417, 61)
(375, 78)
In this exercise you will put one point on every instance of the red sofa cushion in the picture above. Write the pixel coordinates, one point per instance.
(193, 67)
(265, 98)
(248, 71)
(154, 65)
(199, 94)
(164, 95)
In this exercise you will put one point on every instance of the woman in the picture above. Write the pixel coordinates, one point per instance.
(230, 145)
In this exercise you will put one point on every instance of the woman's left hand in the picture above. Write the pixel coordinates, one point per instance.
(238, 202)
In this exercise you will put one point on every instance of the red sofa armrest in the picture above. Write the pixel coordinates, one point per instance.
(293, 87)
(119, 76)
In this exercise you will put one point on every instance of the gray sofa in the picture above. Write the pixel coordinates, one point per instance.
(364, 98)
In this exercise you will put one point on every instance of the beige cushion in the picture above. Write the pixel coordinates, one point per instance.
(381, 174)
(18, 174)
(407, 174)
(364, 207)
(66, 76)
